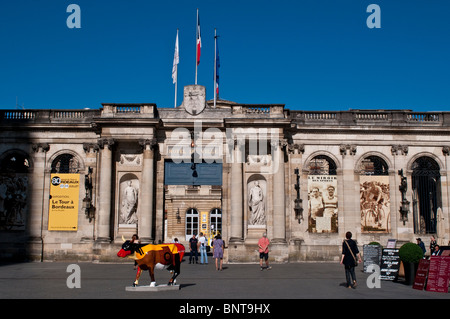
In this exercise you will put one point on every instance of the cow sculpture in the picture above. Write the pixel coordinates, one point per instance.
(150, 257)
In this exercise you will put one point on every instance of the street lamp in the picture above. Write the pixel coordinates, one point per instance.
(178, 216)
(87, 201)
(404, 208)
(298, 201)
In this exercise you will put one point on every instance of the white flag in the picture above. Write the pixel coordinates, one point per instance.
(176, 60)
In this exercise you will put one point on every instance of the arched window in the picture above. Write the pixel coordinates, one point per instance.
(374, 165)
(322, 165)
(65, 164)
(215, 217)
(191, 223)
(426, 194)
(15, 162)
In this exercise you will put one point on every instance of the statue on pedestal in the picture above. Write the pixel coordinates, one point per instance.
(129, 204)
(256, 205)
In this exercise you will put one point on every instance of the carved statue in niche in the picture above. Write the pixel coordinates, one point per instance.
(13, 201)
(129, 204)
(256, 205)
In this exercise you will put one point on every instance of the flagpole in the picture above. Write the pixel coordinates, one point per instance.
(196, 49)
(176, 60)
(215, 66)
(176, 71)
(176, 84)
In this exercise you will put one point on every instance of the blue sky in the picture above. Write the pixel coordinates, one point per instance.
(309, 55)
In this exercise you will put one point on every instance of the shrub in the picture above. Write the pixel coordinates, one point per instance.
(410, 253)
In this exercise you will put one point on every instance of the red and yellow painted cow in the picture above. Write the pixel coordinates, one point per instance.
(151, 257)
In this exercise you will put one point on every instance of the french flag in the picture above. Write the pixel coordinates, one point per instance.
(217, 66)
(199, 40)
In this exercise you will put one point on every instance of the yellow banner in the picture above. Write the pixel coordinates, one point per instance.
(64, 197)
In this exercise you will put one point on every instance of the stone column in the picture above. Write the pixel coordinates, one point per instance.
(279, 198)
(104, 197)
(159, 199)
(147, 190)
(351, 211)
(91, 150)
(36, 193)
(236, 220)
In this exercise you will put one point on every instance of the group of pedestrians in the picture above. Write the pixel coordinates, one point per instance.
(201, 243)
(351, 256)
(218, 245)
(350, 253)
(435, 250)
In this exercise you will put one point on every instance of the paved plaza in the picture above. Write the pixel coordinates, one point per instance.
(48, 280)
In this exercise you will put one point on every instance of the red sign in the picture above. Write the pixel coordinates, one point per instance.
(421, 274)
(438, 274)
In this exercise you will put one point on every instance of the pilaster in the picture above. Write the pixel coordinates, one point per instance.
(236, 220)
(279, 198)
(104, 197)
(145, 225)
(35, 218)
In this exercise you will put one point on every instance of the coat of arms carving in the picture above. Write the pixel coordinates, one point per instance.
(194, 100)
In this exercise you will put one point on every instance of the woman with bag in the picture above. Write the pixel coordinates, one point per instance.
(349, 253)
(218, 246)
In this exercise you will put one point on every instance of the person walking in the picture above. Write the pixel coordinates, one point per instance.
(421, 245)
(433, 244)
(263, 245)
(348, 259)
(218, 247)
(203, 242)
(193, 247)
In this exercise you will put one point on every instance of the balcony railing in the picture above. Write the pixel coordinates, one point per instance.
(375, 117)
(336, 118)
(17, 115)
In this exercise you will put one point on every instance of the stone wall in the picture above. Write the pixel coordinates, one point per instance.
(123, 142)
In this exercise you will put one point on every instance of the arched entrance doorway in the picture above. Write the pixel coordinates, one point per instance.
(426, 194)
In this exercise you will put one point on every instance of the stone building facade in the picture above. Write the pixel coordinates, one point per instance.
(304, 177)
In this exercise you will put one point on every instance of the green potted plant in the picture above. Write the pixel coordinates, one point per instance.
(410, 254)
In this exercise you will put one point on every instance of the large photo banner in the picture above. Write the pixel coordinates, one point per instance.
(375, 204)
(64, 197)
(322, 204)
